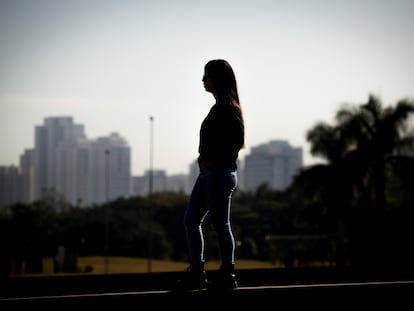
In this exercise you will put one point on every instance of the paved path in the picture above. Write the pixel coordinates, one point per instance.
(391, 295)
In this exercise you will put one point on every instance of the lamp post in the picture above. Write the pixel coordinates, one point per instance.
(151, 155)
(150, 189)
(107, 152)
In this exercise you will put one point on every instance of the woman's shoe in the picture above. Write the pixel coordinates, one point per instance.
(194, 278)
(225, 279)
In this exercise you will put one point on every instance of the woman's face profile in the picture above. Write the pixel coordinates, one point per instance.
(207, 83)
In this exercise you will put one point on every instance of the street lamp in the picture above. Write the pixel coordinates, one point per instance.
(107, 152)
(151, 155)
(150, 189)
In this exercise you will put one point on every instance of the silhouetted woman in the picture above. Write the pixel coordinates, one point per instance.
(221, 138)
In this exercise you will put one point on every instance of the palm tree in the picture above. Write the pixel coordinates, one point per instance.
(378, 135)
(380, 138)
(358, 150)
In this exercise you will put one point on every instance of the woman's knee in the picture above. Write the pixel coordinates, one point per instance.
(221, 227)
(192, 223)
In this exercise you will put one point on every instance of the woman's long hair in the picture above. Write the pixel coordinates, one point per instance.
(222, 77)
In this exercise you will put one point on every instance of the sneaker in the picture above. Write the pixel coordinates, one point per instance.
(194, 278)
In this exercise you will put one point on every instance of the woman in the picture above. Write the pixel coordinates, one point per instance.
(221, 138)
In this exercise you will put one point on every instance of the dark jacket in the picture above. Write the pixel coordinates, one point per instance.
(221, 136)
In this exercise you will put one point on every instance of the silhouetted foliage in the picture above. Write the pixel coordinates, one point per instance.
(353, 193)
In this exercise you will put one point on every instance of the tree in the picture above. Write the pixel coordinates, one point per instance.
(359, 150)
(327, 187)
(380, 138)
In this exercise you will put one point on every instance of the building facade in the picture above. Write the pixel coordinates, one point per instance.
(273, 164)
(49, 139)
(10, 183)
(85, 171)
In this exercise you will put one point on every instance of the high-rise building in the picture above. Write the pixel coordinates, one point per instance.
(72, 167)
(110, 169)
(49, 137)
(84, 171)
(27, 176)
(274, 164)
(9, 185)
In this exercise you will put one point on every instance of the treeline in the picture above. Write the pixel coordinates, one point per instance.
(265, 224)
(355, 209)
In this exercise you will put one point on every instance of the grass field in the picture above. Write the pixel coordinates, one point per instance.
(118, 265)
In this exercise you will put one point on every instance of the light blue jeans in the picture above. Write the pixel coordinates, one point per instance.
(212, 193)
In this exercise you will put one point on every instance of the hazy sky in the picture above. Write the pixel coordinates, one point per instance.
(113, 64)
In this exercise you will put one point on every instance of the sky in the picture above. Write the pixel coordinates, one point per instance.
(111, 65)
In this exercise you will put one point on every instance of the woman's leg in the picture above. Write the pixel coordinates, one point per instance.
(195, 276)
(193, 220)
(221, 185)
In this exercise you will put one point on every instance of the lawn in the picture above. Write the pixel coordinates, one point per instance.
(119, 265)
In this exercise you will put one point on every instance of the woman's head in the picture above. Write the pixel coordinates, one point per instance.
(220, 75)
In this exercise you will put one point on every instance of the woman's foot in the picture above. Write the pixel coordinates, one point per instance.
(225, 279)
(194, 278)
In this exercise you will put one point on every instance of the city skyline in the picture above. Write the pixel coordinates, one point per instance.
(113, 64)
(117, 134)
(67, 166)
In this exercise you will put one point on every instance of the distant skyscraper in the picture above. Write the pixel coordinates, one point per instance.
(84, 171)
(55, 132)
(27, 176)
(9, 185)
(72, 170)
(274, 164)
(110, 168)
